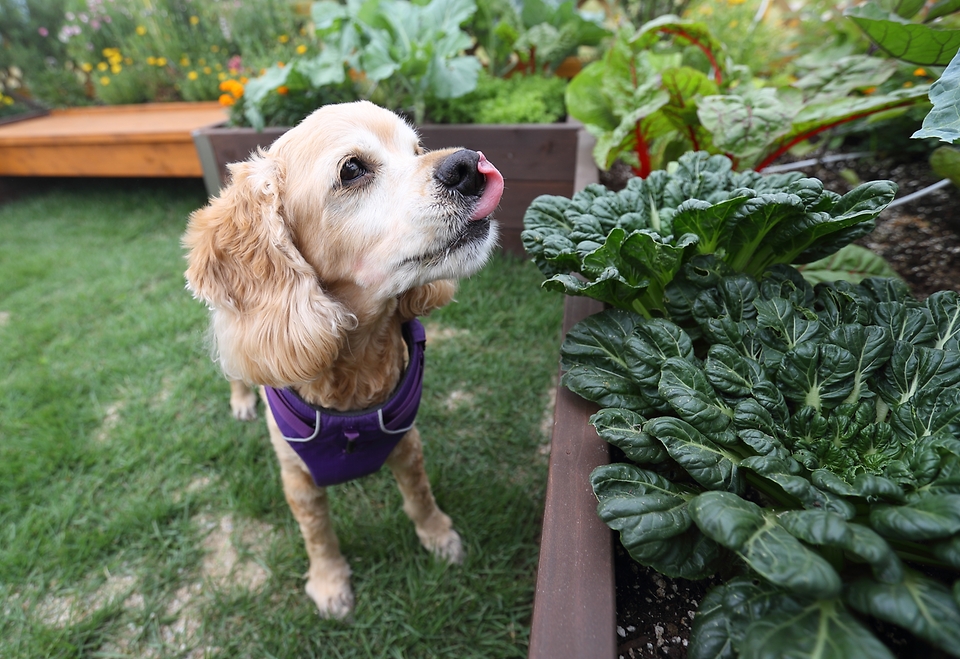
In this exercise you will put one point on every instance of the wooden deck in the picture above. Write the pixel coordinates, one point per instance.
(152, 139)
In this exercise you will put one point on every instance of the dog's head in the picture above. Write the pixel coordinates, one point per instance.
(345, 205)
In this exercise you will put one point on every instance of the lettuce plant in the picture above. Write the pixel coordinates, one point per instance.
(668, 87)
(625, 248)
(805, 446)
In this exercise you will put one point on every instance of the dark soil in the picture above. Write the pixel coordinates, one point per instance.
(921, 240)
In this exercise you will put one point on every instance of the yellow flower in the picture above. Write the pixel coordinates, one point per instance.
(161, 61)
(221, 76)
(214, 48)
(87, 66)
(227, 100)
(184, 61)
(921, 72)
(736, 2)
(202, 62)
(116, 68)
(104, 81)
(102, 66)
(207, 70)
(908, 83)
(7, 100)
(734, 23)
(194, 20)
(283, 38)
(128, 61)
(301, 49)
(141, 30)
(192, 75)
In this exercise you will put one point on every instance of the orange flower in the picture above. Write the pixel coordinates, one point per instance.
(283, 90)
(920, 73)
(869, 90)
(232, 87)
(227, 100)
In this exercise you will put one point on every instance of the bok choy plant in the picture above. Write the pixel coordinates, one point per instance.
(803, 443)
(624, 248)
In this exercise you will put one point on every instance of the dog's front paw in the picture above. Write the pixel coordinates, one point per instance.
(243, 403)
(446, 546)
(333, 596)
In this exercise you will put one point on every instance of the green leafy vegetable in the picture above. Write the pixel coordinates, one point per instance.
(806, 439)
(669, 86)
(625, 248)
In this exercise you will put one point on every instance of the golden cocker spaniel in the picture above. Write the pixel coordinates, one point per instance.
(314, 261)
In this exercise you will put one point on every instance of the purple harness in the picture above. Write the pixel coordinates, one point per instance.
(341, 446)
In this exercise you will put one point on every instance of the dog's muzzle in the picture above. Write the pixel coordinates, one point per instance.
(470, 174)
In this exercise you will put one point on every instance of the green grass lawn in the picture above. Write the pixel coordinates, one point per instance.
(139, 519)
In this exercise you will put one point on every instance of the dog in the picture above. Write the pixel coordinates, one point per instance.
(315, 261)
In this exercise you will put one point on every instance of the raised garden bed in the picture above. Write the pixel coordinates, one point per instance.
(534, 159)
(150, 139)
(574, 608)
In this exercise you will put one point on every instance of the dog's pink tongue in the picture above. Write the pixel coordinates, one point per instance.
(492, 190)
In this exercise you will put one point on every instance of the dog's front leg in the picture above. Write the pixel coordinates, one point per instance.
(433, 526)
(328, 579)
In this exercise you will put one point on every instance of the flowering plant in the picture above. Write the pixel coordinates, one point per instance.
(132, 51)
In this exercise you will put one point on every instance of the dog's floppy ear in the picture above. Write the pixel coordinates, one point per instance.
(271, 321)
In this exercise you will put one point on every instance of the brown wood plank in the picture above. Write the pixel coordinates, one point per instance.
(165, 159)
(152, 139)
(574, 612)
(149, 122)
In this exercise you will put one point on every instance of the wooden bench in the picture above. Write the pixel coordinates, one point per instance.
(150, 139)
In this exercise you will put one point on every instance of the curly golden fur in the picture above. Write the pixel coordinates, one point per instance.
(310, 260)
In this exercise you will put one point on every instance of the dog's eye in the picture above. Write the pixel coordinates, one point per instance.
(351, 171)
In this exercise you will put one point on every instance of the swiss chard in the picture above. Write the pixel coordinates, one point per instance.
(805, 439)
(626, 247)
(669, 87)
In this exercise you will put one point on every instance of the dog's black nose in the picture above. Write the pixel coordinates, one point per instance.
(458, 171)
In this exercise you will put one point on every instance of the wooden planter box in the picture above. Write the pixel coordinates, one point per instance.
(150, 139)
(534, 160)
(574, 608)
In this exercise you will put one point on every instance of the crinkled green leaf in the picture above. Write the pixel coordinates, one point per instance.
(821, 527)
(707, 463)
(823, 629)
(857, 209)
(766, 547)
(651, 515)
(623, 429)
(817, 375)
(708, 222)
(918, 604)
(839, 77)
(929, 412)
(785, 326)
(945, 308)
(914, 369)
(745, 125)
(686, 388)
(931, 517)
(597, 366)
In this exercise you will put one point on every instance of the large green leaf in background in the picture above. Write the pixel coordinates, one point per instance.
(911, 42)
(943, 121)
